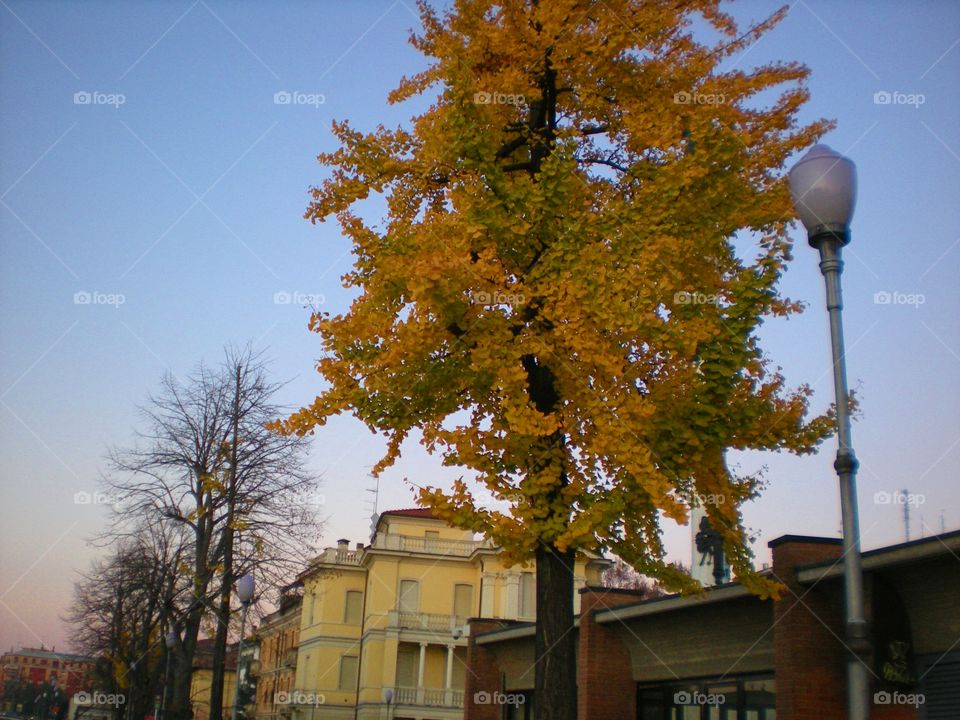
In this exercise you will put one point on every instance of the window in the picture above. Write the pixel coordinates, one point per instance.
(408, 657)
(462, 602)
(744, 698)
(409, 596)
(520, 710)
(528, 598)
(349, 664)
(353, 611)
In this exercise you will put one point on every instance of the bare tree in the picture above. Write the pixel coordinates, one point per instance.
(620, 575)
(121, 608)
(205, 462)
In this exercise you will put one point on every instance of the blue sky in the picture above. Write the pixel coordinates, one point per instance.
(172, 200)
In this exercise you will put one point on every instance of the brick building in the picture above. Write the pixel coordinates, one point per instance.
(729, 654)
(34, 666)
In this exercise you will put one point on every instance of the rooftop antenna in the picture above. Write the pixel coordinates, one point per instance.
(374, 516)
(943, 523)
(905, 494)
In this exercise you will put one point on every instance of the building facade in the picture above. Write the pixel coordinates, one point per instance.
(201, 680)
(279, 635)
(32, 666)
(728, 654)
(384, 626)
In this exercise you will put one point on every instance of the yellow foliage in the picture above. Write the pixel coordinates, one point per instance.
(554, 301)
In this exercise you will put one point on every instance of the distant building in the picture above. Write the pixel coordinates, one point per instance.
(702, 563)
(32, 666)
(383, 626)
(729, 654)
(201, 680)
(279, 635)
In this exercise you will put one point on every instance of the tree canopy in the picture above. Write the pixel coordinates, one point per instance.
(555, 300)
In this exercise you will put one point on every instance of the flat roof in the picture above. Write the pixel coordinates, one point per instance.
(671, 603)
(49, 654)
(515, 631)
(880, 558)
(913, 551)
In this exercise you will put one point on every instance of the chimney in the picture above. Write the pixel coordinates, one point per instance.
(342, 545)
(359, 546)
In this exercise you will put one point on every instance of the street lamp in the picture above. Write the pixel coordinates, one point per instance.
(245, 588)
(388, 698)
(170, 639)
(824, 188)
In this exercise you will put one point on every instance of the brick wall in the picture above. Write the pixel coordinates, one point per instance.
(606, 688)
(809, 657)
(483, 673)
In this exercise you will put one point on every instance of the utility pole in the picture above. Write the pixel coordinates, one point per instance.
(905, 494)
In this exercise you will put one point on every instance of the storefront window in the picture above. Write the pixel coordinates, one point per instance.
(742, 698)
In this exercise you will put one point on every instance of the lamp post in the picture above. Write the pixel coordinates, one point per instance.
(169, 640)
(388, 698)
(824, 188)
(245, 588)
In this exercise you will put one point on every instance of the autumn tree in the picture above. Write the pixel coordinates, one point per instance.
(555, 300)
(205, 463)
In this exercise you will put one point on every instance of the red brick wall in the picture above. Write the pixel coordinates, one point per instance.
(894, 712)
(483, 673)
(606, 689)
(809, 657)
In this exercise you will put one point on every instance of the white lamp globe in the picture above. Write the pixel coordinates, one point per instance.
(245, 588)
(823, 184)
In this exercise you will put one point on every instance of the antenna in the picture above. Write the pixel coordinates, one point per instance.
(375, 491)
(905, 494)
(943, 523)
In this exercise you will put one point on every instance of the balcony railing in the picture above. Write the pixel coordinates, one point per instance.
(335, 556)
(432, 546)
(424, 621)
(432, 697)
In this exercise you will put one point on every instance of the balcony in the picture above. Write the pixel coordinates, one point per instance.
(428, 622)
(430, 546)
(429, 697)
(339, 556)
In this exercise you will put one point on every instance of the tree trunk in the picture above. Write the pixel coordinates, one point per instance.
(220, 657)
(223, 611)
(555, 695)
(181, 670)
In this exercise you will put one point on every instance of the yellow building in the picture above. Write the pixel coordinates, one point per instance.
(278, 634)
(388, 620)
(202, 677)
